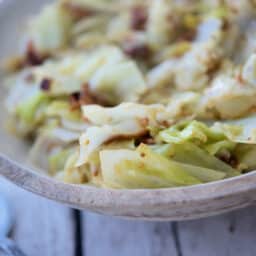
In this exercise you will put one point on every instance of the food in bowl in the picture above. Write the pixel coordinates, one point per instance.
(137, 94)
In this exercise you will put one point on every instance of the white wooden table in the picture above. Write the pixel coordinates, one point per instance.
(45, 228)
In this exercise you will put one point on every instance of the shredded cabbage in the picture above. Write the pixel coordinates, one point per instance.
(137, 93)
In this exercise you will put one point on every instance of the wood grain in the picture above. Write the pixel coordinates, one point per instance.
(231, 234)
(111, 236)
(42, 227)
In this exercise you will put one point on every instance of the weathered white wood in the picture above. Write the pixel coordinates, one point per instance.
(232, 234)
(42, 227)
(111, 236)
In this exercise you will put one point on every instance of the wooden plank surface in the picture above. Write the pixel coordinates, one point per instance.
(42, 227)
(232, 234)
(111, 236)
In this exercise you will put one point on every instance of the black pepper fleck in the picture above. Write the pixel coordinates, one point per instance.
(45, 84)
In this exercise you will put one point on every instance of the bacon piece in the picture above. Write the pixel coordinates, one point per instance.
(137, 51)
(33, 58)
(84, 97)
(46, 84)
(139, 17)
(78, 12)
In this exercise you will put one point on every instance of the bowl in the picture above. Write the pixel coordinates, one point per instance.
(161, 204)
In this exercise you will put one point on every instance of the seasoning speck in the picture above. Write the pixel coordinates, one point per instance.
(45, 84)
(142, 154)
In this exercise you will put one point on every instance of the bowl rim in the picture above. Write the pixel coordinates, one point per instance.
(89, 196)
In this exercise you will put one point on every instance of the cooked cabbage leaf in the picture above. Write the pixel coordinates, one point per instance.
(129, 169)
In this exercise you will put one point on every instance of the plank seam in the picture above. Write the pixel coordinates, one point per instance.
(176, 238)
(78, 233)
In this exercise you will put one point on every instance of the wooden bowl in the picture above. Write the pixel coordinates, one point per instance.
(162, 204)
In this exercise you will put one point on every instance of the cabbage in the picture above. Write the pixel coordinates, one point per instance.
(175, 50)
(95, 5)
(61, 108)
(73, 174)
(98, 115)
(119, 27)
(68, 73)
(189, 153)
(142, 169)
(197, 144)
(249, 70)
(117, 83)
(217, 147)
(209, 29)
(20, 90)
(246, 155)
(227, 98)
(64, 135)
(241, 130)
(50, 30)
(58, 159)
(162, 74)
(44, 146)
(90, 23)
(90, 40)
(95, 137)
(193, 69)
(220, 12)
(107, 55)
(159, 28)
(204, 174)
(193, 131)
(26, 111)
(183, 104)
(125, 121)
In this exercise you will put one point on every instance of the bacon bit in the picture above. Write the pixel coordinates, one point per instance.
(142, 154)
(224, 157)
(188, 36)
(225, 25)
(76, 96)
(139, 51)
(84, 97)
(239, 77)
(45, 84)
(78, 12)
(86, 120)
(143, 122)
(229, 159)
(253, 109)
(146, 139)
(139, 17)
(125, 137)
(96, 172)
(74, 100)
(33, 58)
(149, 141)
(166, 123)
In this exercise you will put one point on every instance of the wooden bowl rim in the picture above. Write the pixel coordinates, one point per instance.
(86, 196)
